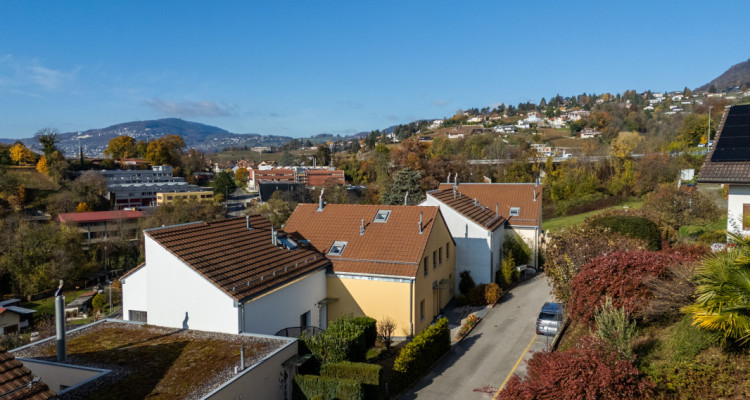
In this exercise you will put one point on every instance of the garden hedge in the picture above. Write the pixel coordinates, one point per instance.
(369, 375)
(344, 340)
(313, 386)
(371, 329)
(634, 227)
(419, 354)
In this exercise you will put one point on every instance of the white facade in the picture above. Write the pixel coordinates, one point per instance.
(739, 195)
(175, 295)
(478, 250)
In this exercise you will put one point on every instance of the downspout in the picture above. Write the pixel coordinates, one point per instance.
(411, 307)
(536, 247)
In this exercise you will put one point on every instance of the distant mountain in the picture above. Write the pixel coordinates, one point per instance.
(737, 75)
(206, 138)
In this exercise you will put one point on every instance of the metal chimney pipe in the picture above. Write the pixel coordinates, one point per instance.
(454, 193)
(534, 192)
(247, 222)
(273, 236)
(455, 179)
(420, 222)
(406, 198)
(60, 323)
(362, 227)
(320, 200)
(242, 357)
(496, 211)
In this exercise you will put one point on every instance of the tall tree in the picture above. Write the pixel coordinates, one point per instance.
(406, 180)
(47, 138)
(121, 147)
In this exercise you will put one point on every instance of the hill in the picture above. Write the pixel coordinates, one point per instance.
(199, 136)
(737, 75)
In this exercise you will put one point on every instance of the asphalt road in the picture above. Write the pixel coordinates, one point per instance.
(476, 367)
(236, 203)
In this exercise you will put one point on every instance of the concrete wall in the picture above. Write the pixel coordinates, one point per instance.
(266, 379)
(134, 294)
(530, 236)
(476, 249)
(60, 376)
(738, 196)
(179, 297)
(282, 307)
(372, 296)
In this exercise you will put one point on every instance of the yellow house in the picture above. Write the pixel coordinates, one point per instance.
(387, 261)
(163, 198)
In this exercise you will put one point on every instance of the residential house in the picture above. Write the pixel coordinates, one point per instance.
(589, 133)
(477, 231)
(233, 275)
(17, 382)
(395, 261)
(12, 317)
(728, 163)
(519, 203)
(100, 226)
(323, 176)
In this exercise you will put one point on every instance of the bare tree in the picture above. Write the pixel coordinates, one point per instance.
(386, 327)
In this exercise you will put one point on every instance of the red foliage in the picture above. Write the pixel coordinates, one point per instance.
(622, 277)
(589, 371)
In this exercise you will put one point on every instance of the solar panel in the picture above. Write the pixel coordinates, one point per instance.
(734, 141)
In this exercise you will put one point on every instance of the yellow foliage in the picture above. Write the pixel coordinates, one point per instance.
(625, 143)
(42, 166)
(83, 207)
(21, 155)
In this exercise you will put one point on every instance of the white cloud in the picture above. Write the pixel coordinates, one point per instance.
(190, 108)
(31, 75)
(441, 102)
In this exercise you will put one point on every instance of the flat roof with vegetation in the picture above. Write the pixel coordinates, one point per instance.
(153, 362)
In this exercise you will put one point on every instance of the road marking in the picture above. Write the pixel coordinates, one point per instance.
(507, 378)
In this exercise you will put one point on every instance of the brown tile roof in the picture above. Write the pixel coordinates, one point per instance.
(468, 207)
(507, 195)
(391, 248)
(726, 171)
(14, 376)
(241, 262)
(98, 216)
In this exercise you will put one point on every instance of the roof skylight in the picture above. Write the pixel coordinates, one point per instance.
(382, 216)
(337, 248)
(515, 211)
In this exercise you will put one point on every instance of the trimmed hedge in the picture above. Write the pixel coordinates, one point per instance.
(343, 341)
(633, 227)
(371, 329)
(313, 386)
(419, 354)
(369, 375)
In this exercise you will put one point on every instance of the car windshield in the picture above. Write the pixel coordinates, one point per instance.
(548, 316)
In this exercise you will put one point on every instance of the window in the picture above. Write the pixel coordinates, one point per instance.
(425, 266)
(515, 211)
(304, 320)
(382, 216)
(448, 250)
(139, 316)
(421, 310)
(337, 248)
(434, 259)
(440, 256)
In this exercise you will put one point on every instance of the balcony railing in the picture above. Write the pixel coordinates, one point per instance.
(296, 331)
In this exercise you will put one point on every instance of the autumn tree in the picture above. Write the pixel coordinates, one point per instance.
(21, 155)
(241, 177)
(90, 188)
(42, 166)
(121, 147)
(166, 150)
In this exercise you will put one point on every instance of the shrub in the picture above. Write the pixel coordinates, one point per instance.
(621, 276)
(386, 327)
(476, 296)
(368, 375)
(370, 327)
(471, 321)
(614, 327)
(343, 341)
(311, 386)
(515, 247)
(419, 354)
(506, 273)
(632, 226)
(588, 371)
(492, 293)
(680, 207)
(461, 300)
(466, 282)
(98, 302)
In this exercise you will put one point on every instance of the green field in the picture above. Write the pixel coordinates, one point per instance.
(31, 179)
(558, 223)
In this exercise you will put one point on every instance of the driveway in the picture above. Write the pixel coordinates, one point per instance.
(478, 365)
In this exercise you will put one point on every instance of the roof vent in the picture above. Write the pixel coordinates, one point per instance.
(406, 198)
(362, 227)
(247, 223)
(274, 236)
(497, 213)
(455, 179)
(534, 192)
(320, 200)
(420, 222)
(475, 201)
(454, 193)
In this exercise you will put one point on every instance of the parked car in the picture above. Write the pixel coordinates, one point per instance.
(550, 319)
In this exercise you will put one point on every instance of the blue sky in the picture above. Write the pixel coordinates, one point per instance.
(308, 67)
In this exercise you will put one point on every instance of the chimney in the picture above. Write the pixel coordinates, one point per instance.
(242, 357)
(247, 223)
(362, 227)
(320, 200)
(475, 201)
(420, 222)
(60, 323)
(496, 212)
(534, 192)
(406, 198)
(455, 179)
(274, 236)
(454, 193)
(448, 180)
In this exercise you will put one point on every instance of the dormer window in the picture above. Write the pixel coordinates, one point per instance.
(337, 248)
(382, 216)
(515, 211)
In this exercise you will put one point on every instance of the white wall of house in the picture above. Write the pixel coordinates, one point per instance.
(739, 195)
(283, 307)
(530, 236)
(477, 250)
(134, 293)
(179, 297)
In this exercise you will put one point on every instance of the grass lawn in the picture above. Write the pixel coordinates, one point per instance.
(558, 223)
(31, 179)
(47, 306)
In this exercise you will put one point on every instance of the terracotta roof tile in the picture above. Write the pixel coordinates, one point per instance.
(241, 262)
(468, 207)
(97, 216)
(507, 195)
(394, 247)
(14, 376)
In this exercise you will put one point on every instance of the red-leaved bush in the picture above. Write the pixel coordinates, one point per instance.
(588, 371)
(621, 276)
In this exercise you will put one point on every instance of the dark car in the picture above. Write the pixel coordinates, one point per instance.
(550, 319)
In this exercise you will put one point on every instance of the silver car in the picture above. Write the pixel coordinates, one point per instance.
(550, 319)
